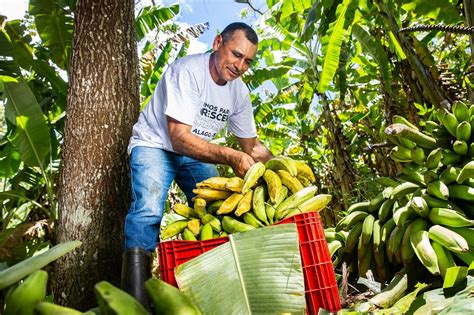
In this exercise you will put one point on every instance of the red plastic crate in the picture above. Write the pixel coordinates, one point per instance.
(320, 281)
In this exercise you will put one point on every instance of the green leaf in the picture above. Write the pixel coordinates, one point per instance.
(333, 51)
(454, 276)
(152, 17)
(31, 136)
(17, 272)
(9, 161)
(8, 65)
(398, 48)
(375, 49)
(256, 272)
(23, 55)
(55, 25)
(437, 10)
(404, 303)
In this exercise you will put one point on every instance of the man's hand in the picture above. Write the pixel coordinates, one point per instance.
(240, 163)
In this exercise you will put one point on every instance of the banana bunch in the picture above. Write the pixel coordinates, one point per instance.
(426, 215)
(22, 297)
(165, 299)
(268, 193)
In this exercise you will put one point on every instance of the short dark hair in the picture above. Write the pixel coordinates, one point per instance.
(249, 32)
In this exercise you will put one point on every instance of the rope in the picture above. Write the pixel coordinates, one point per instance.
(467, 30)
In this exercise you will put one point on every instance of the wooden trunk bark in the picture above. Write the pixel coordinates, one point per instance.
(102, 105)
(343, 174)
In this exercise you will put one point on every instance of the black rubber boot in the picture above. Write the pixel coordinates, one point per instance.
(136, 269)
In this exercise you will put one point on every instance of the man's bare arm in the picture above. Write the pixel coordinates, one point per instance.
(255, 149)
(186, 143)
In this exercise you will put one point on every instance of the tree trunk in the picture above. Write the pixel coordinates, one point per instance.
(102, 105)
(343, 174)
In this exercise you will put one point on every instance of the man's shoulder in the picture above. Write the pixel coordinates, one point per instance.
(189, 61)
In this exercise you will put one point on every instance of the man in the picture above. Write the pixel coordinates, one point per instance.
(194, 99)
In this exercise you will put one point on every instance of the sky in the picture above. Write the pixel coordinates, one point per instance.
(218, 13)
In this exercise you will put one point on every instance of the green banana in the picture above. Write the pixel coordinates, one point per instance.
(23, 298)
(430, 176)
(334, 246)
(251, 219)
(377, 236)
(463, 131)
(411, 134)
(438, 189)
(48, 308)
(448, 238)
(449, 217)
(270, 212)
(385, 209)
(466, 172)
(460, 111)
(281, 163)
(200, 207)
(293, 184)
(379, 258)
(467, 233)
(213, 221)
(173, 229)
(460, 147)
(449, 121)
(206, 232)
(397, 119)
(434, 158)
(214, 206)
(367, 229)
(403, 189)
(231, 225)
(376, 202)
(421, 244)
(451, 158)
(281, 196)
(188, 235)
(450, 174)
(353, 237)
(364, 256)
(466, 257)
(252, 176)
(394, 242)
(418, 155)
(273, 184)
(403, 215)
(387, 229)
(470, 150)
(351, 219)
(444, 257)
(359, 206)
(113, 301)
(434, 202)
(462, 192)
(406, 143)
(420, 206)
(400, 154)
(406, 250)
(258, 204)
(168, 300)
(431, 125)
(294, 200)
(304, 170)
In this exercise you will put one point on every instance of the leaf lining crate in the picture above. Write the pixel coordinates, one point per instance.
(320, 280)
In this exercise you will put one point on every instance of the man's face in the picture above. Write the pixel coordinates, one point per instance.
(232, 57)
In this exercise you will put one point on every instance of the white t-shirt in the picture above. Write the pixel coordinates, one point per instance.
(187, 93)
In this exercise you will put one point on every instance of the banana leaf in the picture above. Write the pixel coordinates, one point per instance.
(256, 272)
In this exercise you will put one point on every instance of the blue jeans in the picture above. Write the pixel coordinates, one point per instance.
(152, 171)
